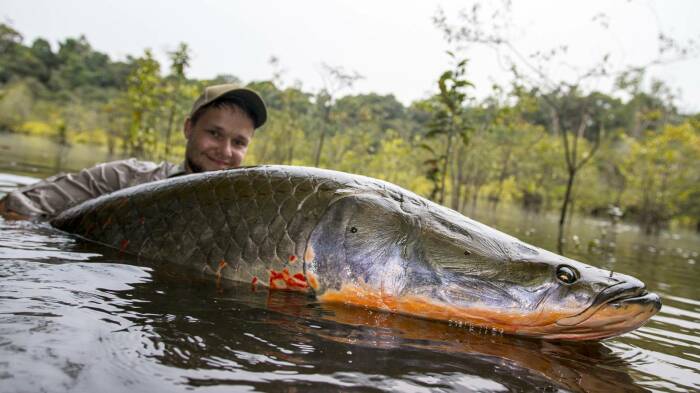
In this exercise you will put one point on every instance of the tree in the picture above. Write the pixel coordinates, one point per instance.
(16, 101)
(16, 60)
(449, 123)
(573, 136)
(664, 178)
(143, 97)
(335, 79)
(175, 89)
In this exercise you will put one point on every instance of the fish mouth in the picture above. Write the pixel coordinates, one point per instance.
(645, 298)
(618, 309)
(616, 293)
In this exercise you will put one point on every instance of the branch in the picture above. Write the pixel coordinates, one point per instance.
(567, 154)
(579, 135)
(594, 148)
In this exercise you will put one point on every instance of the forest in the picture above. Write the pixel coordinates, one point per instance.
(544, 145)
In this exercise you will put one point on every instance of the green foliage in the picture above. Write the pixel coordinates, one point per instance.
(461, 152)
(176, 93)
(448, 122)
(663, 176)
(144, 89)
(16, 101)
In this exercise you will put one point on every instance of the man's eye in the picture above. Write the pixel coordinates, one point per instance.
(214, 133)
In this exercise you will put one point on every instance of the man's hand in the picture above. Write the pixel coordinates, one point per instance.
(9, 214)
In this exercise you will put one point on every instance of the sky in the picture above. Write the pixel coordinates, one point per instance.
(393, 44)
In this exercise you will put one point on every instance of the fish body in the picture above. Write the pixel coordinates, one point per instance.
(356, 240)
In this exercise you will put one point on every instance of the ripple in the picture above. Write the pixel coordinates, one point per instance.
(682, 300)
(681, 323)
(660, 370)
(679, 312)
(671, 337)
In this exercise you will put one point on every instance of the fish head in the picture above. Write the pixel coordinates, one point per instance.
(413, 257)
(499, 281)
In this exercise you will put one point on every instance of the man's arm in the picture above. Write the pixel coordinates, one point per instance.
(49, 197)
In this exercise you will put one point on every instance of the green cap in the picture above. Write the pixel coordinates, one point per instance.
(250, 97)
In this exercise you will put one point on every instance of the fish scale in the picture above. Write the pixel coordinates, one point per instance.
(252, 219)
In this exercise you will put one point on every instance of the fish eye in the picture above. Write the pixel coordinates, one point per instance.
(467, 252)
(567, 274)
(353, 230)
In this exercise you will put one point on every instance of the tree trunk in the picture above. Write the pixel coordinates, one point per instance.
(475, 198)
(457, 179)
(319, 147)
(290, 153)
(502, 178)
(564, 208)
(168, 132)
(448, 151)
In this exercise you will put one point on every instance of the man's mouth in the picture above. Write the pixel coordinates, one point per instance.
(221, 163)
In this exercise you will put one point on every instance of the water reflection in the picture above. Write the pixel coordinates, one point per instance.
(82, 324)
(235, 328)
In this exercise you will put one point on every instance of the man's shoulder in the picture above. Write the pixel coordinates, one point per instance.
(141, 166)
(136, 164)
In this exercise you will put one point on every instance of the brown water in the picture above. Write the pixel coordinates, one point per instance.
(78, 317)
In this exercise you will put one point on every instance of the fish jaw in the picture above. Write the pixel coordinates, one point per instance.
(618, 309)
(612, 319)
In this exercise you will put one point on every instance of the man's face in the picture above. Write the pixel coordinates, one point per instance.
(218, 140)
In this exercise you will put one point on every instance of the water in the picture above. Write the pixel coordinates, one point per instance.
(78, 317)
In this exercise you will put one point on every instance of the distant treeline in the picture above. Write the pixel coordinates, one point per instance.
(520, 145)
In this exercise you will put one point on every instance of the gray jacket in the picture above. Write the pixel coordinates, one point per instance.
(51, 196)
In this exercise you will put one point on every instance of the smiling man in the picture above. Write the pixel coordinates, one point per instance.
(220, 127)
(218, 130)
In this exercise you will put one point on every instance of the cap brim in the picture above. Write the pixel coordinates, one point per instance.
(254, 102)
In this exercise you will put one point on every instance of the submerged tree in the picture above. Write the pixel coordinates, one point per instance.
(573, 137)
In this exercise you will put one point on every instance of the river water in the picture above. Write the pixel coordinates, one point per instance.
(75, 316)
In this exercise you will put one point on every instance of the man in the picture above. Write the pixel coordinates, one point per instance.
(218, 130)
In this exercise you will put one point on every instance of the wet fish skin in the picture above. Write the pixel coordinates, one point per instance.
(352, 239)
(252, 219)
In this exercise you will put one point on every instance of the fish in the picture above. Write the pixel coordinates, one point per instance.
(355, 240)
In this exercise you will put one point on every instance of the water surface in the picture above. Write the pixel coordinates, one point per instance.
(75, 316)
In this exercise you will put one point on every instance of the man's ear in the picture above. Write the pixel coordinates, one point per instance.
(187, 128)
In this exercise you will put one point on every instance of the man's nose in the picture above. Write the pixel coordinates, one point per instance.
(227, 149)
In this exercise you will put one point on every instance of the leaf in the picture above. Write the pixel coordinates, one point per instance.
(426, 147)
(434, 132)
(465, 138)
